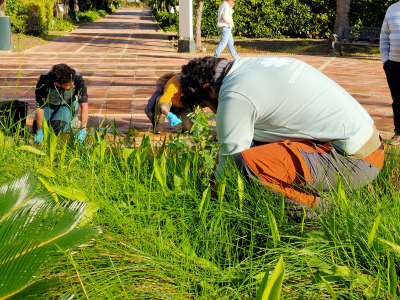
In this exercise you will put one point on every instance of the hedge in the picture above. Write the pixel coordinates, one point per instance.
(30, 16)
(285, 18)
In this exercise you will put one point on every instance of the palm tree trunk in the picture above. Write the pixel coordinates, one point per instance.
(197, 35)
(342, 15)
(2, 8)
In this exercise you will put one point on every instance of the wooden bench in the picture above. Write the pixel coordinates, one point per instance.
(356, 36)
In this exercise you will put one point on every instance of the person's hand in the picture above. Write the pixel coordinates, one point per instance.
(39, 136)
(81, 136)
(173, 119)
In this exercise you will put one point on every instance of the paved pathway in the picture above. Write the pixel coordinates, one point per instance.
(121, 55)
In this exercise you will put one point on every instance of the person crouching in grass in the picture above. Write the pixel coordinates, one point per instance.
(166, 103)
(309, 133)
(59, 93)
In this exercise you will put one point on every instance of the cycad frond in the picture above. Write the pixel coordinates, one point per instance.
(32, 229)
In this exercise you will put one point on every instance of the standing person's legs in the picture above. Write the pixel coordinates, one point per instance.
(225, 33)
(392, 70)
(231, 45)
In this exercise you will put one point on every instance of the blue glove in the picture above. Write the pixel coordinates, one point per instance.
(173, 120)
(196, 133)
(39, 136)
(81, 136)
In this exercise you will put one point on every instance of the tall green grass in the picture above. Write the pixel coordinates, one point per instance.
(167, 235)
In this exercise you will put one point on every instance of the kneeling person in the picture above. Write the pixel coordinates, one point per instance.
(309, 132)
(59, 93)
(165, 103)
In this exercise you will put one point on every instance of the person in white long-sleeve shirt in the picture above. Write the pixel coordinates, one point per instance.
(390, 53)
(225, 23)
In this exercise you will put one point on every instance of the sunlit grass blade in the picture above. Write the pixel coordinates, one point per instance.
(273, 227)
(281, 209)
(31, 149)
(378, 285)
(328, 287)
(49, 189)
(372, 233)
(205, 201)
(178, 183)
(159, 173)
(240, 192)
(392, 277)
(273, 289)
(70, 193)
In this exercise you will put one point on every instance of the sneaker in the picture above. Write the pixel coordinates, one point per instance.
(395, 140)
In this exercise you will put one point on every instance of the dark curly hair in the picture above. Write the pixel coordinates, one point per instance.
(195, 74)
(62, 73)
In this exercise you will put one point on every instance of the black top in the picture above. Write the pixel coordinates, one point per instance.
(47, 93)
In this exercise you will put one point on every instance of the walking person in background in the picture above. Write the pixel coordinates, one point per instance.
(390, 53)
(225, 23)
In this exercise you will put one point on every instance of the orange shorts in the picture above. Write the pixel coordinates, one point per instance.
(299, 170)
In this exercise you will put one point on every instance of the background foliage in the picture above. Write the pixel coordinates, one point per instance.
(282, 18)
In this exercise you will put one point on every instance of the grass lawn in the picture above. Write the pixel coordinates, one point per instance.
(165, 235)
(287, 45)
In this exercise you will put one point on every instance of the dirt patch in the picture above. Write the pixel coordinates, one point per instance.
(20, 42)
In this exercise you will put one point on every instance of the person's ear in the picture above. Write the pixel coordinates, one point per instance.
(57, 84)
(206, 86)
(212, 92)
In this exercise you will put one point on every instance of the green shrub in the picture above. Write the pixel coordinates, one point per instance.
(31, 16)
(133, 4)
(101, 12)
(63, 25)
(89, 16)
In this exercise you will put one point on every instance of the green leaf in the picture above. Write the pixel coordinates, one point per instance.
(263, 285)
(378, 285)
(205, 201)
(100, 150)
(31, 149)
(372, 233)
(16, 193)
(282, 209)
(240, 191)
(52, 148)
(46, 172)
(393, 246)
(159, 172)
(70, 193)
(273, 227)
(90, 212)
(328, 287)
(392, 277)
(32, 231)
(126, 153)
(178, 183)
(272, 291)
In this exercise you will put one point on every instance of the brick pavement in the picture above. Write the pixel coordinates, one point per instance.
(121, 55)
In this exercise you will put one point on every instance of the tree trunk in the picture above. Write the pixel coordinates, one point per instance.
(197, 34)
(2, 8)
(342, 15)
(66, 9)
